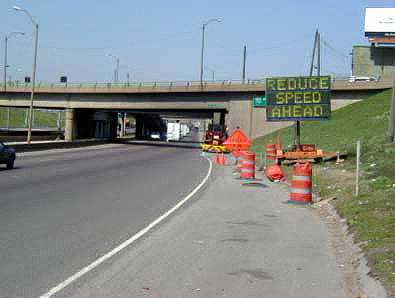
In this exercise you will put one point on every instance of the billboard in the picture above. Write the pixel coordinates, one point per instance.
(298, 98)
(380, 22)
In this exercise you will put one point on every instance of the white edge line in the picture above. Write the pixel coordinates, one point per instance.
(123, 245)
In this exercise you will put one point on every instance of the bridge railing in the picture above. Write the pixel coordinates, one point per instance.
(160, 84)
(136, 84)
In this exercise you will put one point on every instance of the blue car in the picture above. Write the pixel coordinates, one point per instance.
(7, 155)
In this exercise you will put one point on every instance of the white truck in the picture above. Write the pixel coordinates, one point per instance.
(184, 130)
(173, 131)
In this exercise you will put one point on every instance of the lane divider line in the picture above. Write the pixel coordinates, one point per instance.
(125, 244)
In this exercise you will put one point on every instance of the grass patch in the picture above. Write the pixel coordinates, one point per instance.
(18, 118)
(371, 214)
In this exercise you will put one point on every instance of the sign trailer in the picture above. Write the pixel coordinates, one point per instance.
(298, 99)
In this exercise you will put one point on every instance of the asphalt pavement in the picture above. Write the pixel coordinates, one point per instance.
(62, 209)
(235, 238)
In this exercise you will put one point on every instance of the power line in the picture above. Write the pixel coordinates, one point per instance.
(336, 52)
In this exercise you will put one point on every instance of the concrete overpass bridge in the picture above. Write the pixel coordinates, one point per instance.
(92, 108)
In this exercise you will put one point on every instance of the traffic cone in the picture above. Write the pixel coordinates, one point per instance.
(222, 160)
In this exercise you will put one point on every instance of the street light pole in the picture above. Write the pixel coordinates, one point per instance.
(116, 70)
(212, 73)
(35, 25)
(5, 56)
(202, 51)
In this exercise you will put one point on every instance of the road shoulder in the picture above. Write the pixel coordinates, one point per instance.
(238, 239)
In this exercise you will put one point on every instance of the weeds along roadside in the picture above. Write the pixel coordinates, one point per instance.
(371, 214)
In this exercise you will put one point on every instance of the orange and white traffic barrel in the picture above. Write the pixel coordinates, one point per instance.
(248, 168)
(270, 152)
(274, 173)
(301, 184)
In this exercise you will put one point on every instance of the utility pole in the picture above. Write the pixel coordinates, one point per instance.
(244, 64)
(312, 58)
(316, 41)
(318, 54)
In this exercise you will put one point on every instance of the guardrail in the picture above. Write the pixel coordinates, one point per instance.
(169, 84)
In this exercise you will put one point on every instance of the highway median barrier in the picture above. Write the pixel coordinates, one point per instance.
(39, 146)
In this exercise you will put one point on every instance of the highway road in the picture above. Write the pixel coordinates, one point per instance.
(60, 210)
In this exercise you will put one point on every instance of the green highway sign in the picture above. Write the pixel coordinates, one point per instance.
(259, 101)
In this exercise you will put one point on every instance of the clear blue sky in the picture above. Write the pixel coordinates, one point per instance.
(161, 40)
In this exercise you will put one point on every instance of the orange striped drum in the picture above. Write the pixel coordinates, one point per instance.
(270, 152)
(248, 168)
(301, 184)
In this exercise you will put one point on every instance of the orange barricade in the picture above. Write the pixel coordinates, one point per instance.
(270, 152)
(237, 142)
(301, 184)
(274, 173)
(248, 168)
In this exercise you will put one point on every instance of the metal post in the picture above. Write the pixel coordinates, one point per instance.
(298, 134)
(29, 131)
(357, 173)
(8, 119)
(58, 121)
(391, 127)
(201, 56)
(244, 64)
(251, 115)
(5, 64)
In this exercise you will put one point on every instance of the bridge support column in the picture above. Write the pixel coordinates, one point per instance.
(69, 125)
(139, 127)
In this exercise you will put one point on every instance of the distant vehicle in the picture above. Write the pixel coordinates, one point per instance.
(214, 138)
(362, 79)
(173, 131)
(7, 155)
(184, 130)
(155, 135)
